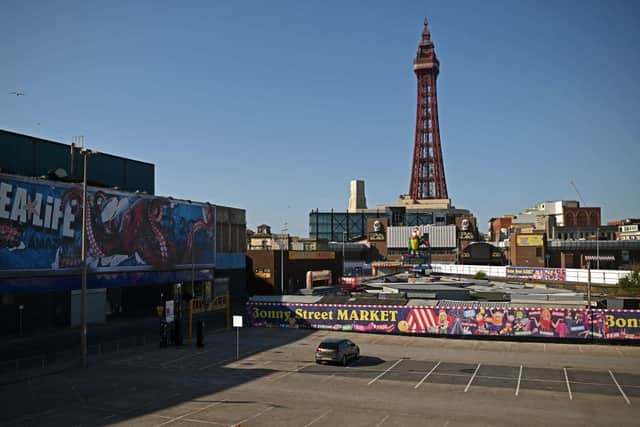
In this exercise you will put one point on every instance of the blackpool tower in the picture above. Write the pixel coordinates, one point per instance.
(427, 173)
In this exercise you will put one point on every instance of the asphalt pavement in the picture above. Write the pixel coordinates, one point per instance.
(271, 379)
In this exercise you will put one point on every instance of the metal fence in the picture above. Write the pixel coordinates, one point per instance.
(26, 367)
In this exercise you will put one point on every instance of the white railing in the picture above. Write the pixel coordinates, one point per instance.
(607, 277)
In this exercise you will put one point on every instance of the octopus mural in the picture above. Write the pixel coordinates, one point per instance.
(140, 229)
(118, 226)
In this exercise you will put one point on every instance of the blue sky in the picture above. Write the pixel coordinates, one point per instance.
(274, 106)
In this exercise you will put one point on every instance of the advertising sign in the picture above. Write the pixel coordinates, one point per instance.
(311, 255)
(537, 273)
(169, 314)
(41, 230)
(466, 235)
(525, 322)
(529, 240)
(375, 236)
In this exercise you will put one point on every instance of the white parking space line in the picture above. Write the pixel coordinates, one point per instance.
(230, 359)
(189, 414)
(186, 356)
(211, 423)
(315, 420)
(427, 376)
(519, 378)
(466, 389)
(256, 415)
(386, 417)
(620, 388)
(388, 369)
(298, 369)
(328, 378)
(566, 377)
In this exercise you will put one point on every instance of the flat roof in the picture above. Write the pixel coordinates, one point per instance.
(48, 141)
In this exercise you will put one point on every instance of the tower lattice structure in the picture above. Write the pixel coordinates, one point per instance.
(427, 174)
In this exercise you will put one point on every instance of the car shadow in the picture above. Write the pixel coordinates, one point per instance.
(366, 361)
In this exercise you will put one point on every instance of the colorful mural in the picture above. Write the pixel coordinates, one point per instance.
(41, 230)
(563, 323)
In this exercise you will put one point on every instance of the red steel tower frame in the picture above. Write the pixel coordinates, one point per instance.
(427, 174)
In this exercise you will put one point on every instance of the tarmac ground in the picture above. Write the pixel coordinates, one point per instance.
(398, 380)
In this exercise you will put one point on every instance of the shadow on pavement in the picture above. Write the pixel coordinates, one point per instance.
(367, 361)
(155, 384)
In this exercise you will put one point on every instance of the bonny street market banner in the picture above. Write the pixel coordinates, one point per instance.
(563, 323)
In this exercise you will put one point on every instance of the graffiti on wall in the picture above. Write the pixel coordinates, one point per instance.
(562, 323)
(41, 229)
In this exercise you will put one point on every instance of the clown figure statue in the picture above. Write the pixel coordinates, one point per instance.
(414, 242)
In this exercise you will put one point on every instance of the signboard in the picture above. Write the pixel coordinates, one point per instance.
(263, 273)
(41, 230)
(293, 255)
(563, 323)
(629, 228)
(169, 314)
(537, 273)
(529, 240)
(377, 236)
(237, 321)
(466, 235)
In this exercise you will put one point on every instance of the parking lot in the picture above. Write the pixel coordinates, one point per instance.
(397, 381)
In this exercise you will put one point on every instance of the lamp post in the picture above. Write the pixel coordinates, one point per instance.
(83, 296)
(598, 248)
(589, 284)
(344, 234)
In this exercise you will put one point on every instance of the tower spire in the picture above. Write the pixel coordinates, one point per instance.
(427, 174)
(426, 35)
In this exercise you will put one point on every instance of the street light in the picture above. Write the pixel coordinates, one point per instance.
(344, 233)
(83, 296)
(598, 248)
(283, 239)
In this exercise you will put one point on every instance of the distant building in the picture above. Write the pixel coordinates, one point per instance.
(549, 217)
(263, 239)
(499, 228)
(590, 232)
(334, 225)
(285, 271)
(560, 213)
(528, 249)
(629, 229)
(357, 198)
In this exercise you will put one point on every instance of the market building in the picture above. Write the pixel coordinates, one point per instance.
(140, 245)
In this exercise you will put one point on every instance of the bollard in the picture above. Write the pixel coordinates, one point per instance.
(200, 333)
(178, 331)
(164, 335)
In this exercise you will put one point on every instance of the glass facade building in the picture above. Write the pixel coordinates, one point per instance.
(332, 226)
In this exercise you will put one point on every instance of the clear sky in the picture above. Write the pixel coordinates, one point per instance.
(273, 106)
